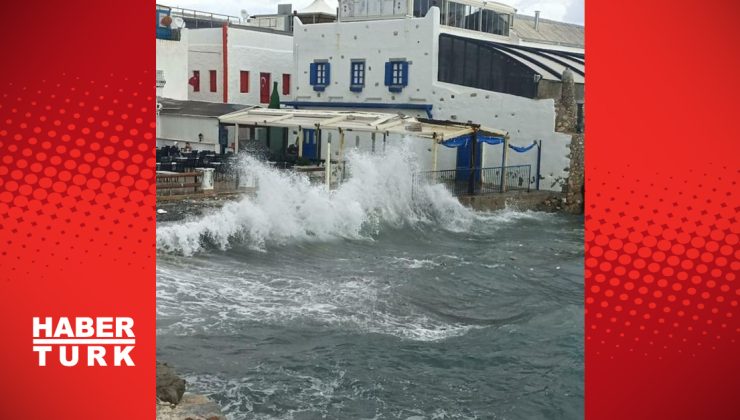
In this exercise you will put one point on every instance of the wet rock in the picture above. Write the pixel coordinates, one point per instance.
(170, 387)
(191, 407)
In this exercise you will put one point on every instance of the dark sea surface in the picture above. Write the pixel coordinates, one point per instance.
(378, 300)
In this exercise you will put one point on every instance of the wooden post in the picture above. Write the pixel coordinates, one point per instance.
(482, 163)
(317, 136)
(373, 145)
(539, 160)
(341, 145)
(473, 158)
(300, 142)
(435, 150)
(327, 165)
(341, 152)
(504, 155)
(236, 138)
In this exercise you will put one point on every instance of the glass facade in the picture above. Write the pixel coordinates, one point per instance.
(465, 16)
(478, 64)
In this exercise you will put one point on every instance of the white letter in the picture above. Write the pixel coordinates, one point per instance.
(84, 327)
(96, 353)
(45, 327)
(105, 327)
(124, 325)
(63, 356)
(42, 353)
(64, 327)
(123, 356)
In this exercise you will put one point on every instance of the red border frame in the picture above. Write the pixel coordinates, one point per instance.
(77, 202)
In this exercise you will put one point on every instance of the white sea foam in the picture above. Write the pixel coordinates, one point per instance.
(220, 302)
(286, 207)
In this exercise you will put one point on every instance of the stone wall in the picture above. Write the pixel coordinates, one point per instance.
(566, 122)
(547, 201)
(574, 188)
(551, 89)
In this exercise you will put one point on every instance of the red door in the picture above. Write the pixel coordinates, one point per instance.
(264, 88)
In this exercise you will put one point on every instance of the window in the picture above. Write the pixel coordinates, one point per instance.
(496, 23)
(286, 84)
(421, 7)
(195, 81)
(244, 81)
(479, 64)
(396, 75)
(469, 17)
(320, 76)
(357, 75)
(212, 74)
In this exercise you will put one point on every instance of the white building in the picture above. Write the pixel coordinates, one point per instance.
(195, 123)
(462, 61)
(378, 58)
(172, 58)
(192, 87)
(254, 58)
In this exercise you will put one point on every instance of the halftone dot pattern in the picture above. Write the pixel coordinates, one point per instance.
(661, 278)
(77, 200)
(76, 166)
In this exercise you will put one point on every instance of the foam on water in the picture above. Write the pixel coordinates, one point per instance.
(286, 207)
(362, 304)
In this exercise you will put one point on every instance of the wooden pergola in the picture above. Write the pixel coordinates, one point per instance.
(353, 121)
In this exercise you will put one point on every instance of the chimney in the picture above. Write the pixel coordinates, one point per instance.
(536, 20)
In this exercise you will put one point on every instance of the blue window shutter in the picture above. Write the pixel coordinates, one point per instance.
(313, 73)
(327, 66)
(388, 73)
(405, 73)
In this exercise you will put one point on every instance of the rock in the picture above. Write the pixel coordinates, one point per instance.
(191, 407)
(170, 387)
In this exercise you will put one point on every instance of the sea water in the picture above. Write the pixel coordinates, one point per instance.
(380, 299)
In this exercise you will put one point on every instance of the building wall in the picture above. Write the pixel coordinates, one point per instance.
(186, 129)
(172, 59)
(205, 53)
(248, 50)
(275, 22)
(416, 40)
(258, 52)
(374, 41)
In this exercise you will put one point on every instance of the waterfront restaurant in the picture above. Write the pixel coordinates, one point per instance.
(321, 138)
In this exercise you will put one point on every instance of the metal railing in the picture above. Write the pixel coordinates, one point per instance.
(196, 19)
(479, 181)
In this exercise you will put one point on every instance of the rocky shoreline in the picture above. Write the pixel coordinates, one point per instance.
(173, 403)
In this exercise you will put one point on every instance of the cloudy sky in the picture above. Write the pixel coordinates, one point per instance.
(562, 10)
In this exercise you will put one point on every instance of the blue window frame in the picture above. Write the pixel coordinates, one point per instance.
(320, 75)
(357, 75)
(396, 75)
